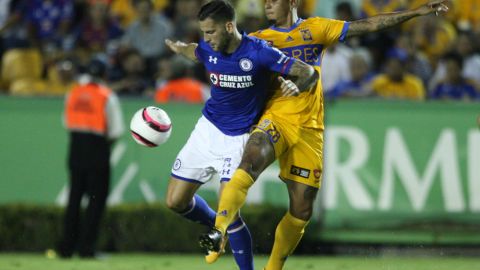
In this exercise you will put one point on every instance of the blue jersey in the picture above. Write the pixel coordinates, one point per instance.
(239, 82)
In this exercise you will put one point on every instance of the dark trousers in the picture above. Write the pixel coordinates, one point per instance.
(81, 234)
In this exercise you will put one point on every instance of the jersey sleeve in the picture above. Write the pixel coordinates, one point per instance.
(275, 60)
(328, 31)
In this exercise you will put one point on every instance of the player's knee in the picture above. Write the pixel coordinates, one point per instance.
(302, 213)
(178, 205)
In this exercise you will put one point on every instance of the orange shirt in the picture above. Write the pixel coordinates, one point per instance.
(85, 108)
(184, 90)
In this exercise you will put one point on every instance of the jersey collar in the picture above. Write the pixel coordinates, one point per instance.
(299, 21)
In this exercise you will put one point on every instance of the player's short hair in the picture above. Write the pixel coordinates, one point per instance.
(217, 10)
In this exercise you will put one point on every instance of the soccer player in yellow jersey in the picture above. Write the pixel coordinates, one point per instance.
(291, 128)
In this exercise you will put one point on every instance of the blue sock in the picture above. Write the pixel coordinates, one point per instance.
(198, 211)
(241, 244)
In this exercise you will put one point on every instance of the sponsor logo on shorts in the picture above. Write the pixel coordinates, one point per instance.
(177, 164)
(302, 172)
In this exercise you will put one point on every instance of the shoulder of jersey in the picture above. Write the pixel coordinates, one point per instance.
(315, 20)
(257, 42)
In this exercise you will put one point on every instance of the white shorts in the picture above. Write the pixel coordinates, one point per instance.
(208, 152)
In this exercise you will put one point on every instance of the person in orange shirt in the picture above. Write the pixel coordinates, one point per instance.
(94, 120)
(180, 86)
(396, 83)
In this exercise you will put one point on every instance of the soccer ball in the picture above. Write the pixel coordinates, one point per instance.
(150, 126)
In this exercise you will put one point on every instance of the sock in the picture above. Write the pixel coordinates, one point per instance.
(287, 236)
(233, 197)
(198, 211)
(241, 244)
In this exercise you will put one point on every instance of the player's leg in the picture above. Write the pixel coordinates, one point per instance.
(181, 198)
(291, 228)
(260, 151)
(240, 242)
(300, 169)
(192, 168)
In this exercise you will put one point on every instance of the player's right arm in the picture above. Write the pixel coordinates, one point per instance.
(302, 78)
(187, 50)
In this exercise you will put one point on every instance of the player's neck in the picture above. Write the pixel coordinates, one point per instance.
(234, 43)
(289, 21)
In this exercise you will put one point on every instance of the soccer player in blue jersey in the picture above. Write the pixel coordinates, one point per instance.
(291, 128)
(239, 69)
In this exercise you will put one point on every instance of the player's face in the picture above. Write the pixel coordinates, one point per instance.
(276, 9)
(215, 34)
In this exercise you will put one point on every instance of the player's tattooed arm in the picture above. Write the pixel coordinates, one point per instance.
(187, 50)
(301, 78)
(383, 21)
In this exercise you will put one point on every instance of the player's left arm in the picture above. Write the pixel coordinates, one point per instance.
(383, 21)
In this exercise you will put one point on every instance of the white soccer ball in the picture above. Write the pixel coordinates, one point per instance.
(150, 126)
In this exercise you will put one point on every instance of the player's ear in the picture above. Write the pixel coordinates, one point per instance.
(229, 27)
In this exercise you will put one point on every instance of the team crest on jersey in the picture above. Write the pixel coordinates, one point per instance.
(270, 43)
(306, 35)
(246, 64)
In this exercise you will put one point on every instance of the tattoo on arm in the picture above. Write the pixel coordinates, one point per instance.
(303, 75)
(379, 22)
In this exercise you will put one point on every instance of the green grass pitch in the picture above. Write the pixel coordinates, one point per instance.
(18, 261)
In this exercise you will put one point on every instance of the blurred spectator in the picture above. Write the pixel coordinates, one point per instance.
(396, 83)
(147, 34)
(62, 77)
(416, 62)
(124, 11)
(374, 7)
(13, 33)
(48, 22)
(185, 20)
(336, 58)
(327, 8)
(453, 85)
(471, 61)
(128, 78)
(95, 31)
(380, 42)
(180, 85)
(94, 121)
(360, 83)
(306, 8)
(468, 12)
(250, 15)
(434, 36)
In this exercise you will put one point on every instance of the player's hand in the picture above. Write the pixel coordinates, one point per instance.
(288, 87)
(176, 46)
(437, 7)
